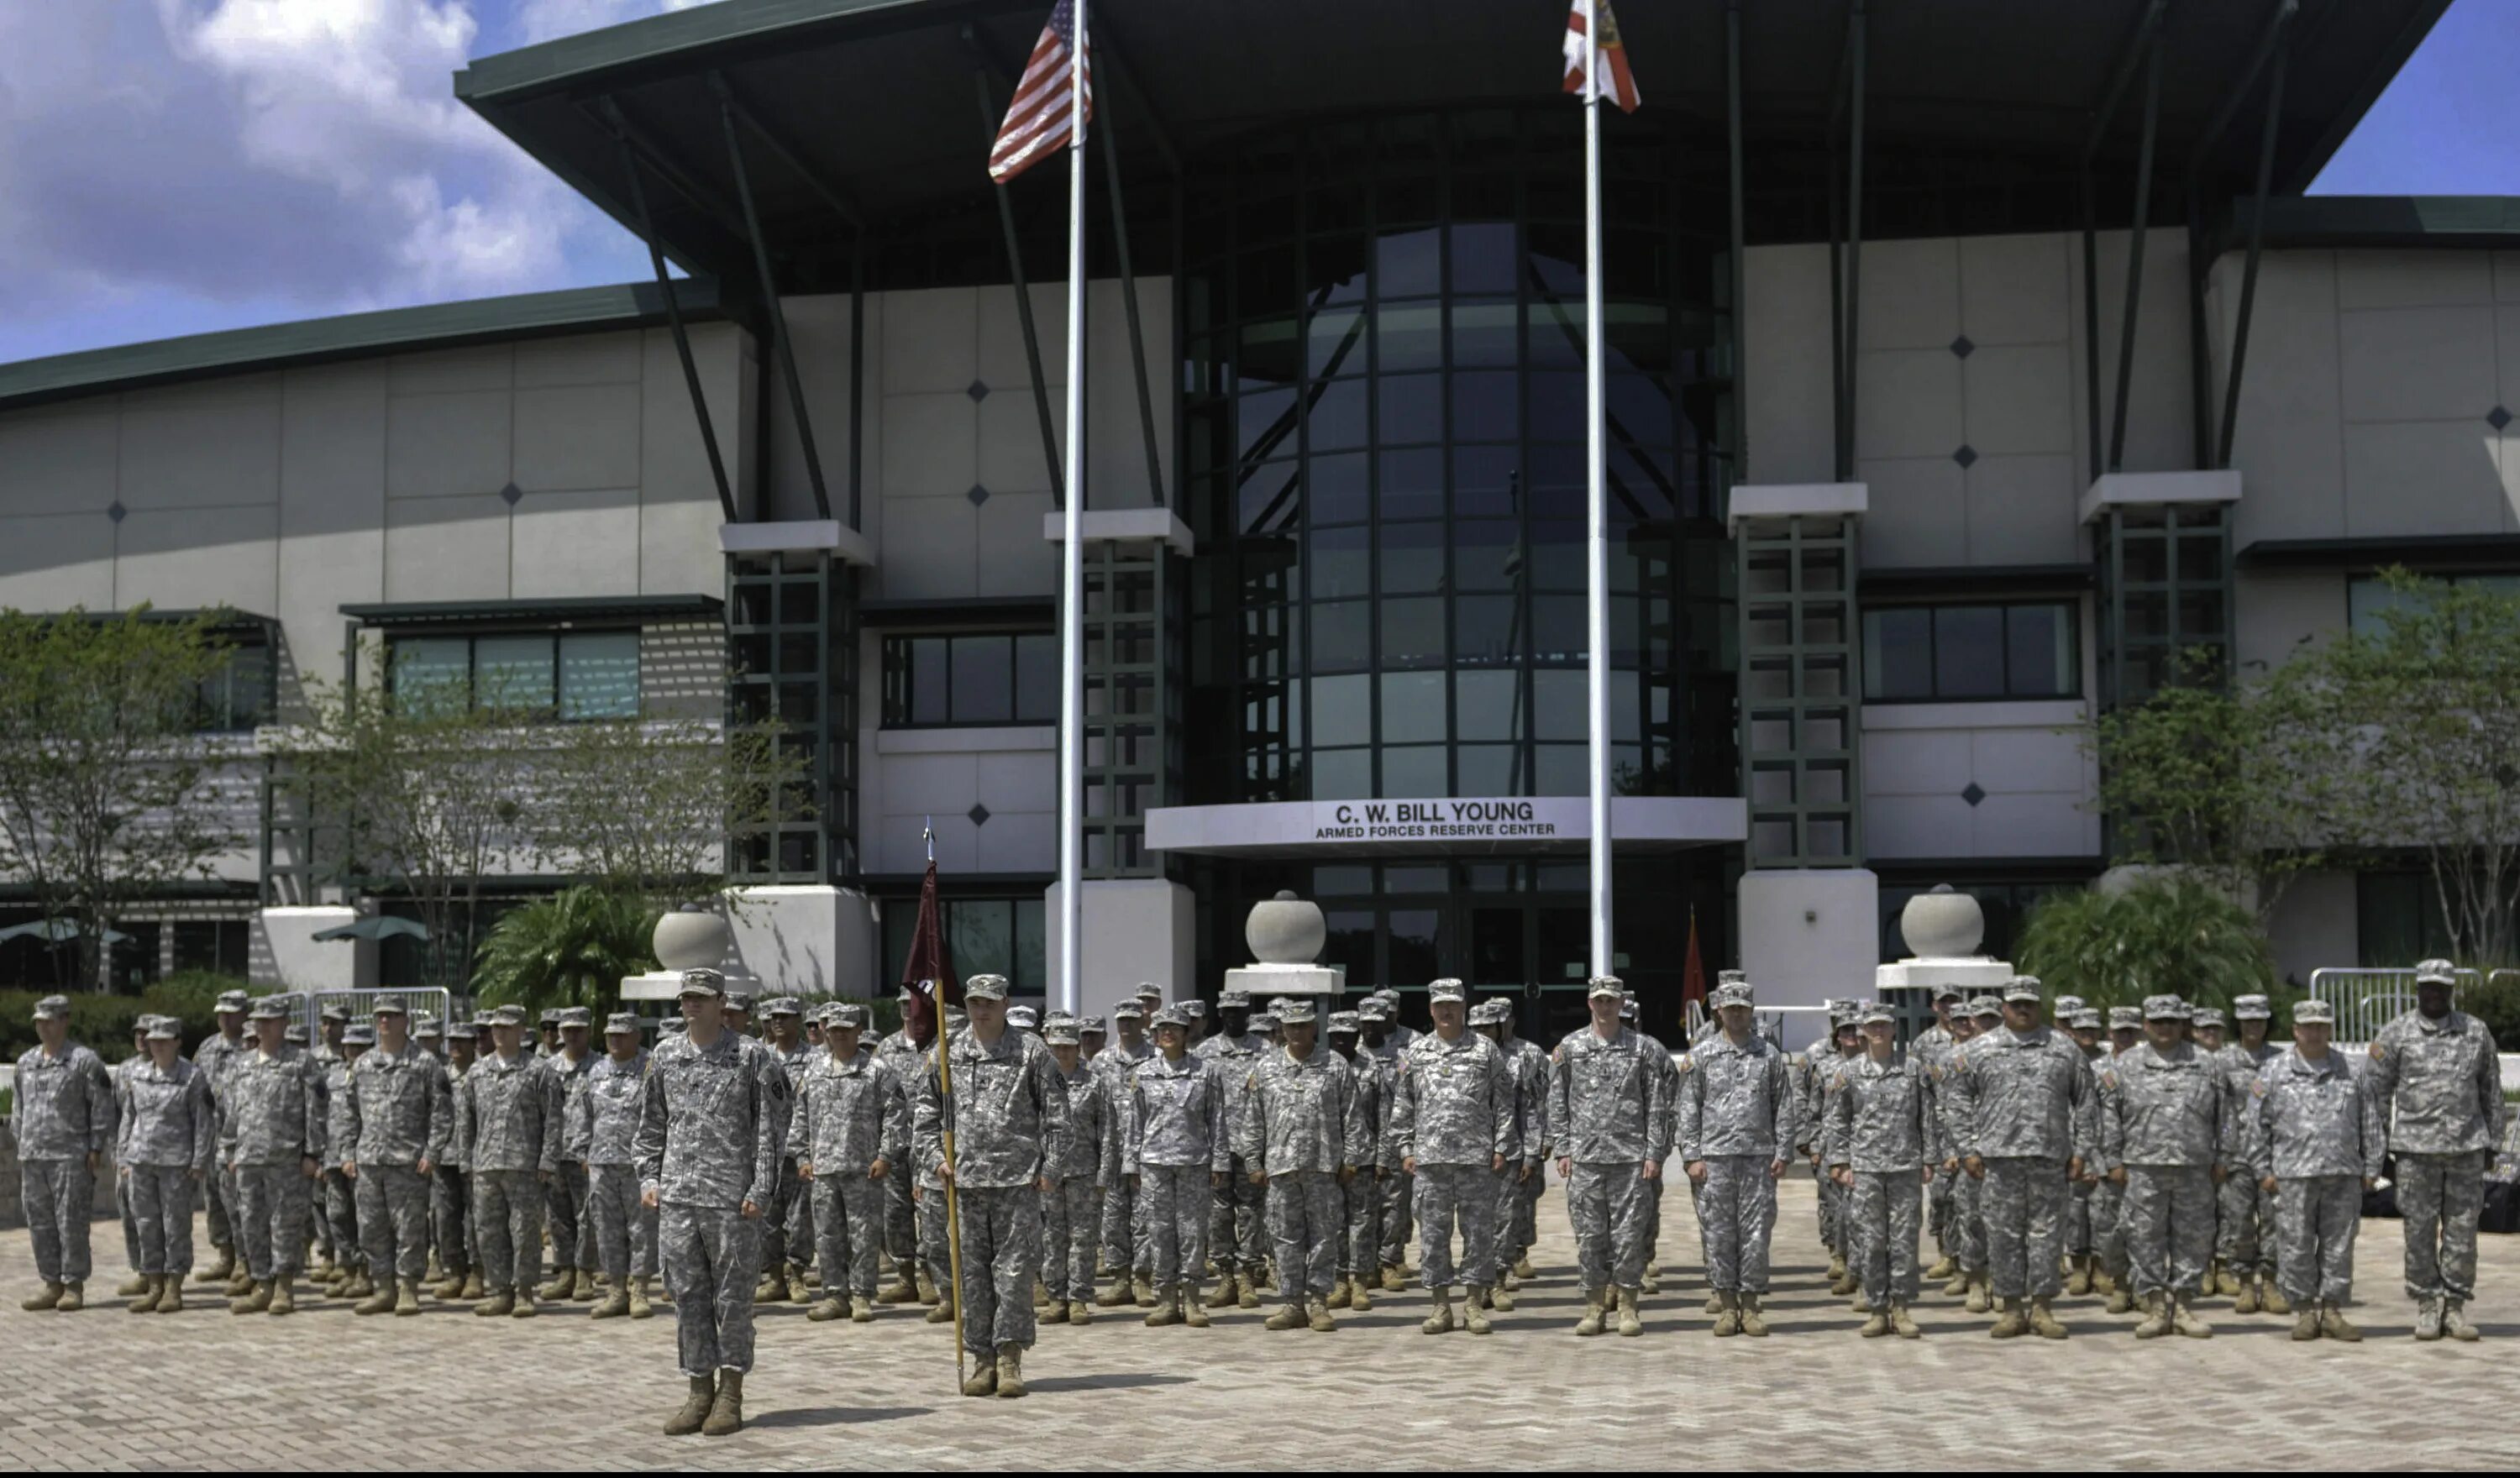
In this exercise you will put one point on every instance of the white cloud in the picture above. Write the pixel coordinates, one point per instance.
(542, 20)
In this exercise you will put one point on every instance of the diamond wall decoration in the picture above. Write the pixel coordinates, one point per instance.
(117, 511)
(513, 494)
(1961, 347)
(979, 815)
(977, 390)
(1973, 794)
(978, 495)
(1965, 455)
(2497, 418)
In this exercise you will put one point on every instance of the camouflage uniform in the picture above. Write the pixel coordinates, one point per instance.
(1883, 1129)
(1175, 1136)
(1738, 1113)
(450, 1198)
(219, 1189)
(712, 1121)
(1819, 1070)
(64, 1113)
(1123, 1228)
(2023, 1106)
(168, 1133)
(2245, 1244)
(2320, 1132)
(396, 1111)
(2163, 1124)
(506, 1121)
(903, 1217)
(271, 1121)
(1072, 1206)
(849, 1113)
(1398, 1192)
(1370, 1091)
(606, 1128)
(1009, 1119)
(794, 1214)
(337, 1209)
(1609, 1111)
(1455, 1111)
(564, 1194)
(1301, 1129)
(1518, 1224)
(1931, 1052)
(2440, 1086)
(116, 1077)
(1236, 1228)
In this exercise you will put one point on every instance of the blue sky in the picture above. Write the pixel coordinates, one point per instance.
(175, 167)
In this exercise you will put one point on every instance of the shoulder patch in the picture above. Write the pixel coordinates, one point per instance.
(2378, 1052)
(2259, 1087)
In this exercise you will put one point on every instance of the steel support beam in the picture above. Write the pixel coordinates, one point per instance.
(983, 65)
(1115, 61)
(780, 344)
(786, 153)
(1129, 297)
(857, 384)
(1739, 246)
(2134, 242)
(2257, 234)
(1848, 288)
(674, 321)
(661, 163)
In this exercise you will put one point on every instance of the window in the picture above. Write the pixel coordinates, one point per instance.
(245, 693)
(223, 945)
(982, 935)
(2368, 596)
(968, 677)
(573, 676)
(1957, 653)
(2398, 920)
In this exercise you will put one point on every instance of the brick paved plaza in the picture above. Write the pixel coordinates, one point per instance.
(323, 1390)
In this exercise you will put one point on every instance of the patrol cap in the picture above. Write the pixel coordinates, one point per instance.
(1234, 1001)
(2436, 973)
(1173, 1016)
(845, 1016)
(231, 1001)
(1298, 1013)
(621, 1021)
(462, 1031)
(1985, 1005)
(2313, 1013)
(2066, 1005)
(702, 981)
(2086, 1020)
(1343, 1023)
(671, 1026)
(165, 1029)
(2207, 1015)
(427, 1025)
(1265, 1021)
(1604, 985)
(1372, 1009)
(384, 1006)
(358, 1034)
(52, 1009)
(1949, 993)
(1022, 1016)
(2125, 1018)
(740, 1000)
(1732, 977)
(141, 1023)
(1129, 1010)
(576, 1015)
(1732, 993)
(781, 1005)
(1877, 1012)
(1060, 1033)
(1147, 990)
(2165, 1009)
(293, 1034)
(2251, 1008)
(551, 1015)
(1482, 1014)
(1195, 1009)
(272, 1007)
(508, 1015)
(1446, 989)
(2021, 988)
(1091, 1026)
(986, 988)
(334, 1011)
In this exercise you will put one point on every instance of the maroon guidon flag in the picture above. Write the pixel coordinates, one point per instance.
(930, 964)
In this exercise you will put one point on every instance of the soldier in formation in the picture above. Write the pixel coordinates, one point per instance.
(213, 1057)
(1880, 1145)
(2024, 1112)
(1455, 1120)
(1236, 1231)
(1072, 1205)
(1302, 1139)
(2164, 1138)
(1361, 1199)
(64, 1123)
(1175, 1146)
(850, 1126)
(2437, 1081)
(565, 1066)
(1377, 1027)
(604, 1126)
(507, 1126)
(2110, 1273)
(1123, 1238)
(1737, 1121)
(396, 1116)
(272, 1137)
(789, 1243)
(167, 1134)
(450, 1196)
(905, 1218)
(1611, 1118)
(1932, 1052)
(2316, 1135)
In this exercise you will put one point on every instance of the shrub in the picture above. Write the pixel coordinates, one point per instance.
(2497, 1003)
(101, 1023)
(570, 948)
(2171, 936)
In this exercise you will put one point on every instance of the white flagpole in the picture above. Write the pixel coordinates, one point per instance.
(1071, 574)
(1597, 538)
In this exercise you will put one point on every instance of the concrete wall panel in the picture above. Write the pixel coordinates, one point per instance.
(449, 445)
(58, 460)
(577, 437)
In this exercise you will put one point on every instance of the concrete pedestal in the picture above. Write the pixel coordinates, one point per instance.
(809, 940)
(301, 963)
(667, 985)
(1135, 928)
(1809, 935)
(1321, 983)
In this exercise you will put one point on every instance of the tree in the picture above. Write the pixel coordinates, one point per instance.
(106, 789)
(2167, 936)
(573, 948)
(642, 806)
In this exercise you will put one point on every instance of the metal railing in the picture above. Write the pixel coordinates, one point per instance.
(2366, 1000)
(435, 1000)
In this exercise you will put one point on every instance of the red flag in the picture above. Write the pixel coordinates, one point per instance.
(929, 961)
(1693, 980)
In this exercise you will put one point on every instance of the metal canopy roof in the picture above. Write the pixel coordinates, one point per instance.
(869, 113)
(561, 611)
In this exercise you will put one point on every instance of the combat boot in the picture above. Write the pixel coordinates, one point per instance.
(1752, 1324)
(1876, 1326)
(2080, 1283)
(799, 1290)
(254, 1302)
(2013, 1322)
(2246, 1300)
(1842, 1278)
(525, 1302)
(1143, 1286)
(1360, 1296)
(695, 1408)
(499, 1305)
(1394, 1280)
(1629, 1324)
(1508, 1282)
(1167, 1310)
(984, 1379)
(942, 1312)
(726, 1413)
(2044, 1321)
(170, 1294)
(1441, 1321)
(1728, 1317)
(1317, 1318)
(2428, 1319)
(1340, 1293)
(50, 1298)
(1291, 1317)
(1902, 1323)
(1223, 1297)
(1247, 1290)
(927, 1286)
(1010, 1371)
(639, 1306)
(1186, 1301)
(861, 1309)
(406, 1298)
(1981, 1298)
(1957, 1285)
(375, 1303)
(1714, 1302)
(473, 1289)
(1522, 1265)
(2306, 1327)
(1591, 1324)
(775, 1292)
(2101, 1283)
(1653, 1280)
(145, 1297)
(2271, 1298)
(2333, 1324)
(1116, 1297)
(1040, 1294)
(1944, 1270)
(2156, 1317)
(2184, 1319)
(326, 1270)
(616, 1303)
(2222, 1281)
(219, 1272)
(1079, 1312)
(831, 1308)
(563, 1282)
(1837, 1270)
(362, 1285)
(901, 1291)
(1476, 1310)
(451, 1288)
(2121, 1300)
(135, 1285)
(242, 1285)
(1501, 1298)
(2454, 1320)
(73, 1297)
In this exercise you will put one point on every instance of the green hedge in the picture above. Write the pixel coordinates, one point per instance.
(2497, 1003)
(103, 1023)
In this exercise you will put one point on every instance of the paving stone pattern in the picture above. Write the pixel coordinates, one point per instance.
(322, 1390)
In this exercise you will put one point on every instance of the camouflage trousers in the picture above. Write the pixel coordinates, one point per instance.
(508, 1216)
(1883, 1213)
(1736, 1209)
(1001, 1257)
(1606, 1205)
(1829, 1202)
(2441, 1196)
(2023, 1202)
(1511, 1185)
(2316, 1220)
(712, 1255)
(1361, 1243)
(1652, 1241)
(1173, 1203)
(1526, 1215)
(162, 1211)
(1399, 1205)
(450, 1215)
(2169, 1215)
(799, 1215)
(901, 1219)
(1968, 1222)
(1235, 1230)
(2108, 1229)
(1450, 1196)
(2246, 1241)
(932, 1248)
(623, 1232)
(565, 1214)
(1122, 1245)
(848, 1214)
(2077, 1220)
(271, 1218)
(392, 1222)
(130, 1220)
(1071, 1213)
(338, 1223)
(1307, 1213)
(218, 1196)
(1941, 1202)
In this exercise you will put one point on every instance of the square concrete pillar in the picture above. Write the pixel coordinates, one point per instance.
(1809, 935)
(1135, 928)
(301, 963)
(809, 940)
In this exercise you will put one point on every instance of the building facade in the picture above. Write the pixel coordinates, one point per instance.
(1965, 367)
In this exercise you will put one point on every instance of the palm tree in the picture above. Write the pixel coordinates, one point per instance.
(570, 948)
(2172, 936)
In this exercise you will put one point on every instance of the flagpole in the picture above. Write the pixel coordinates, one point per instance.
(1072, 631)
(1596, 539)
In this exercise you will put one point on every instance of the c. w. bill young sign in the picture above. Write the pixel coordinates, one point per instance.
(1442, 826)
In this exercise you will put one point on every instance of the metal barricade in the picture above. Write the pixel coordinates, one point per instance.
(418, 1000)
(2366, 1000)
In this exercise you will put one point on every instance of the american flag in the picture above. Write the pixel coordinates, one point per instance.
(1617, 83)
(1038, 121)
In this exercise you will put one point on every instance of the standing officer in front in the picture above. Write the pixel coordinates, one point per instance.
(2025, 1118)
(1612, 1123)
(65, 1121)
(2435, 1073)
(397, 1116)
(1736, 1124)
(1454, 1117)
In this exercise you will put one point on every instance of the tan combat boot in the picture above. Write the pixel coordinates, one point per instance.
(616, 1303)
(726, 1413)
(2156, 1317)
(375, 1303)
(2454, 1320)
(2428, 1319)
(242, 1285)
(2184, 1319)
(1167, 1310)
(1223, 1297)
(1727, 1316)
(450, 1288)
(2246, 1300)
(984, 1379)
(473, 1289)
(901, 1290)
(1957, 1285)
(1591, 1324)
(1441, 1321)
(1751, 1323)
(1981, 1298)
(170, 1294)
(1477, 1311)
(144, 1299)
(1360, 1295)
(135, 1285)
(1040, 1294)
(1902, 1323)
(2121, 1300)
(1653, 1280)
(2333, 1324)
(1629, 1324)
(1079, 1312)
(1184, 1298)
(1291, 1317)
(1341, 1291)
(2044, 1321)
(1522, 1265)
(50, 1298)
(563, 1282)
(1501, 1298)
(526, 1307)
(2306, 1327)
(1875, 1325)
(1942, 1269)
(74, 1297)
(1116, 1297)
(1142, 1286)
(2080, 1283)
(927, 1291)
(499, 1305)
(1246, 1293)
(861, 1309)
(406, 1298)
(1714, 1302)
(219, 1272)
(1010, 1383)
(254, 1302)
(1837, 1270)
(799, 1290)
(2013, 1322)
(2271, 1299)
(1842, 1278)
(695, 1408)
(639, 1304)
(2222, 1281)
(1319, 1319)
(1395, 1279)
(942, 1312)
(775, 1292)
